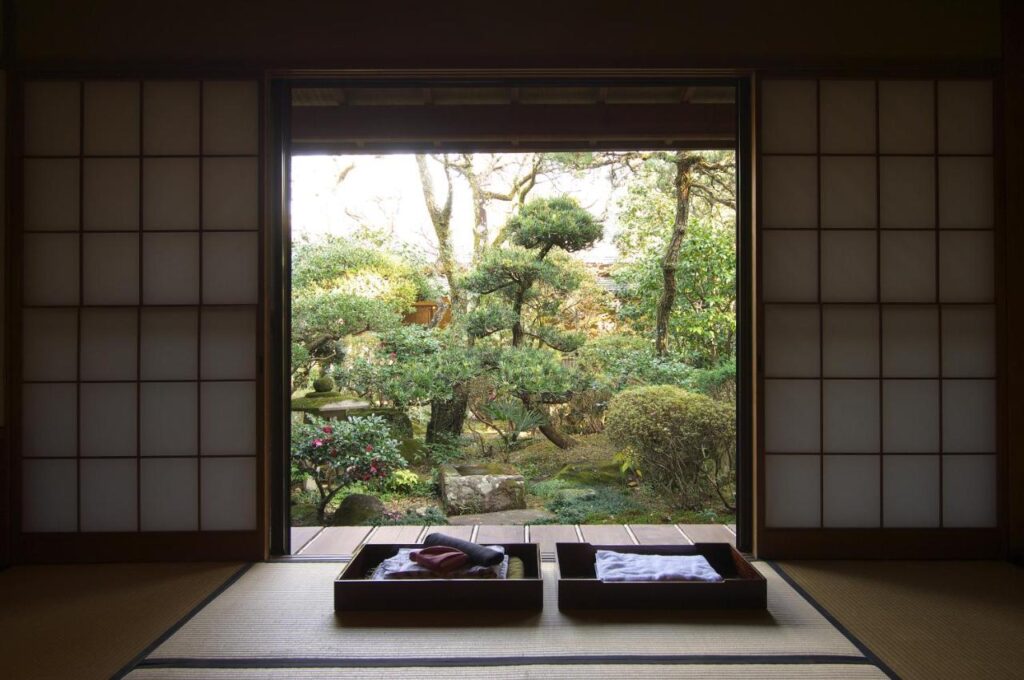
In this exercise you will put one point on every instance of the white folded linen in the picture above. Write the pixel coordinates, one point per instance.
(617, 566)
(401, 566)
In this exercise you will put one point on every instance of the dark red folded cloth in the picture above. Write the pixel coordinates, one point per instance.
(439, 558)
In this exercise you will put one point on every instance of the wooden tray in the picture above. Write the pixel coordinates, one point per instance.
(353, 592)
(578, 587)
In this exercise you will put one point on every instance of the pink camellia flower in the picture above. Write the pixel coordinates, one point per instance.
(328, 429)
(373, 470)
(369, 448)
(317, 443)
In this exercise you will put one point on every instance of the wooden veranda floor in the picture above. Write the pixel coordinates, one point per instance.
(343, 541)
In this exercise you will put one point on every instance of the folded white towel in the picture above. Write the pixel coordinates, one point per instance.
(616, 566)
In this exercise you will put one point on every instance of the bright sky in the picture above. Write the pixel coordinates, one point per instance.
(384, 192)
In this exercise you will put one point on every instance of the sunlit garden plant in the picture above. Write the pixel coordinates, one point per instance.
(336, 453)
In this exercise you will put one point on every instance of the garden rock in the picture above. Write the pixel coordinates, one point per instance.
(358, 509)
(469, 493)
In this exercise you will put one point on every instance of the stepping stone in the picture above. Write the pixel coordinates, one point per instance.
(504, 517)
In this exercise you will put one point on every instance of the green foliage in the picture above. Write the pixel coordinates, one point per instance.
(604, 504)
(336, 453)
(323, 384)
(510, 419)
(554, 222)
(444, 449)
(407, 482)
(342, 287)
(538, 373)
(682, 443)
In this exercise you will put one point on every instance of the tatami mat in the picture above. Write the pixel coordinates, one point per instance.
(929, 620)
(87, 621)
(283, 611)
(538, 672)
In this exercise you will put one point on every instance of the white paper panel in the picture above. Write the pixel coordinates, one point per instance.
(228, 343)
(848, 192)
(850, 341)
(170, 193)
(911, 491)
(230, 264)
(908, 192)
(49, 420)
(968, 416)
(51, 269)
(109, 495)
(108, 415)
(228, 494)
(111, 269)
(49, 495)
(52, 118)
(230, 117)
(966, 198)
(966, 266)
(171, 117)
(969, 342)
(969, 491)
(847, 116)
(170, 271)
(792, 416)
(908, 266)
(169, 419)
(51, 194)
(170, 344)
(170, 494)
(789, 193)
(910, 342)
(109, 345)
(112, 118)
(852, 491)
(791, 341)
(849, 261)
(906, 116)
(965, 116)
(110, 194)
(851, 416)
(790, 266)
(789, 116)
(910, 416)
(50, 344)
(792, 491)
(230, 193)
(228, 419)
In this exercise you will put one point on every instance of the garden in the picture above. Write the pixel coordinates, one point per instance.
(517, 338)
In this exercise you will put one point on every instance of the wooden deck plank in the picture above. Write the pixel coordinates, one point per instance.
(606, 534)
(658, 534)
(336, 541)
(300, 536)
(548, 534)
(490, 533)
(396, 534)
(465, 532)
(708, 533)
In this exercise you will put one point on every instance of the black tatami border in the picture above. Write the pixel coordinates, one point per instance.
(864, 649)
(141, 656)
(141, 660)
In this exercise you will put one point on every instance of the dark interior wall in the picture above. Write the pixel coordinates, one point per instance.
(528, 33)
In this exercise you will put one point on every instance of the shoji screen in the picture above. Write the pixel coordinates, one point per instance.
(139, 306)
(879, 320)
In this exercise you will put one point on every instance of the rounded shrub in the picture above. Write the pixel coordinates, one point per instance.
(681, 442)
(324, 384)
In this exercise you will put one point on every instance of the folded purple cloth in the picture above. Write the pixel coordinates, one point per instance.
(439, 558)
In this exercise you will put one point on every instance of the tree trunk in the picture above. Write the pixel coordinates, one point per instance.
(441, 217)
(670, 261)
(447, 416)
(549, 430)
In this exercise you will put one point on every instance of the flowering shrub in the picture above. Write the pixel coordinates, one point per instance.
(336, 453)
